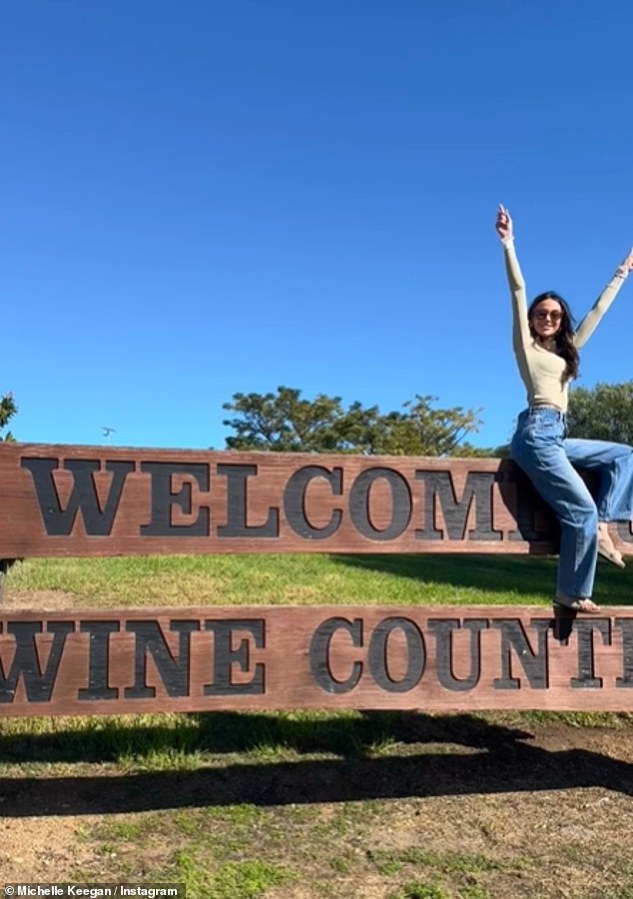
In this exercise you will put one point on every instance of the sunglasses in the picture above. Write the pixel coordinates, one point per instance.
(542, 315)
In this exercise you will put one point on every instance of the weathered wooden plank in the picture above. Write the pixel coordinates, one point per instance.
(100, 501)
(249, 658)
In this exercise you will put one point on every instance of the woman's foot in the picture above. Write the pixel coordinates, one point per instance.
(606, 549)
(575, 604)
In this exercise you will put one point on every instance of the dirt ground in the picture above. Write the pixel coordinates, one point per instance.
(563, 793)
(556, 795)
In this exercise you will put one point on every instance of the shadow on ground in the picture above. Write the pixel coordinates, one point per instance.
(438, 756)
(523, 575)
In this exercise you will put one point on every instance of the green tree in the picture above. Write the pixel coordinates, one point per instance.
(286, 422)
(7, 410)
(422, 430)
(603, 412)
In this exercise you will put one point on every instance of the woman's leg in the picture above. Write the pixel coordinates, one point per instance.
(614, 464)
(538, 448)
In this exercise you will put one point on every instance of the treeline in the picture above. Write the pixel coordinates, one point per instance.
(286, 421)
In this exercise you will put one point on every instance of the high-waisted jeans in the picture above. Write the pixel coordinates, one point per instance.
(550, 459)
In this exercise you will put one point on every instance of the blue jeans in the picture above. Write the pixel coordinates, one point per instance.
(550, 459)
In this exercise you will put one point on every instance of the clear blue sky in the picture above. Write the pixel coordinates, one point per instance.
(201, 197)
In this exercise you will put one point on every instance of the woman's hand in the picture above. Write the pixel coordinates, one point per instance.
(504, 223)
(626, 265)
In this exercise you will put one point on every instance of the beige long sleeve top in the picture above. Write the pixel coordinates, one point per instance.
(541, 370)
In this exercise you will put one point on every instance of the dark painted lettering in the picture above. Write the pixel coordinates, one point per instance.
(360, 507)
(535, 520)
(626, 626)
(584, 631)
(295, 501)
(319, 654)
(237, 505)
(59, 522)
(98, 660)
(379, 655)
(173, 672)
(444, 629)
(438, 485)
(534, 664)
(163, 499)
(27, 661)
(225, 657)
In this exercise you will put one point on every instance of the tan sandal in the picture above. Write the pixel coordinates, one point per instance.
(566, 604)
(610, 554)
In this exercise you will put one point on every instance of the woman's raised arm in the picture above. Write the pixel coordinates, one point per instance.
(588, 325)
(520, 328)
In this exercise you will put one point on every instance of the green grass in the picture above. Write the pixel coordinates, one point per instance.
(234, 880)
(420, 890)
(307, 579)
(451, 862)
(240, 852)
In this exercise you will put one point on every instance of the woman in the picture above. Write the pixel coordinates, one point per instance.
(546, 347)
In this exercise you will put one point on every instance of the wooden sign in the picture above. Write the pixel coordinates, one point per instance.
(432, 659)
(101, 501)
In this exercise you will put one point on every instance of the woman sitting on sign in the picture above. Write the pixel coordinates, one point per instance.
(546, 348)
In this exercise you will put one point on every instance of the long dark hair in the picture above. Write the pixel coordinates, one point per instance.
(565, 335)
